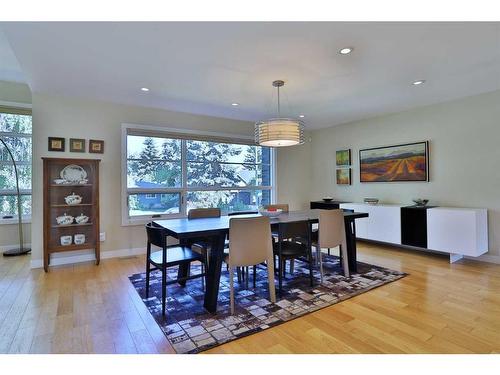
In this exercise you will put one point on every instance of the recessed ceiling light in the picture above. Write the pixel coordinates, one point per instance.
(419, 82)
(302, 116)
(346, 50)
(145, 89)
(235, 104)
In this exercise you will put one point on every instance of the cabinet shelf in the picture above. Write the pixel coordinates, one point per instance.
(71, 185)
(72, 225)
(71, 205)
(72, 247)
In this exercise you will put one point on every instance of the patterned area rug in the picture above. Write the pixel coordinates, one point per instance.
(191, 329)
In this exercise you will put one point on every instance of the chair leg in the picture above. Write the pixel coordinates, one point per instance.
(328, 251)
(163, 290)
(238, 272)
(270, 280)
(311, 278)
(280, 277)
(320, 260)
(148, 271)
(345, 261)
(292, 265)
(245, 270)
(254, 276)
(231, 289)
(203, 270)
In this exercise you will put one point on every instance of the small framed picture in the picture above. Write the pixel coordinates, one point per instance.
(344, 176)
(76, 145)
(343, 158)
(56, 144)
(96, 146)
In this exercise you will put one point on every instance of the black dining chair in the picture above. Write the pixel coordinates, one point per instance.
(294, 242)
(169, 256)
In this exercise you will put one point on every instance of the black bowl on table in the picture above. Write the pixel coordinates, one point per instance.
(327, 199)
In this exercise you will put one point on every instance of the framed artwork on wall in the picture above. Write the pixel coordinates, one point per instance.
(343, 158)
(398, 163)
(56, 144)
(96, 146)
(76, 145)
(343, 176)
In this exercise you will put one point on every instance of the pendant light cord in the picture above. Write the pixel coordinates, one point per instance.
(279, 111)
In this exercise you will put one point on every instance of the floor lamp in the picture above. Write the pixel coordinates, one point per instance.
(20, 250)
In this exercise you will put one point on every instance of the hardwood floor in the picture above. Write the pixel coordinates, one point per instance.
(439, 308)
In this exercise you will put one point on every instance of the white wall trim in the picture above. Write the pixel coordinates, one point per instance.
(486, 258)
(15, 104)
(10, 247)
(89, 257)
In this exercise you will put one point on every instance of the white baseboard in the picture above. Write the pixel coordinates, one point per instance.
(88, 256)
(486, 258)
(10, 247)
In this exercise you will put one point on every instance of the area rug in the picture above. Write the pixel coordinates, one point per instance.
(191, 329)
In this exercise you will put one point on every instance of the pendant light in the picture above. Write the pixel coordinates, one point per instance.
(280, 131)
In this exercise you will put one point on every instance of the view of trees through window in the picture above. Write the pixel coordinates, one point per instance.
(164, 174)
(15, 131)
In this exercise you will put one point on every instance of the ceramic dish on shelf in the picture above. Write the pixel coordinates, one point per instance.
(81, 219)
(271, 213)
(64, 219)
(79, 239)
(73, 199)
(74, 174)
(66, 240)
(60, 181)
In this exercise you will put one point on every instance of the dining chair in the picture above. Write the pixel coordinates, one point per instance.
(250, 245)
(294, 242)
(169, 256)
(240, 271)
(331, 233)
(202, 245)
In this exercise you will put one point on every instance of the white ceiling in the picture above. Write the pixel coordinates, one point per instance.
(204, 67)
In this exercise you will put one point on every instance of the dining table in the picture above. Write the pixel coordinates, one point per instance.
(216, 229)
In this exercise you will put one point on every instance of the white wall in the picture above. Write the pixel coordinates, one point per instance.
(14, 93)
(76, 118)
(464, 140)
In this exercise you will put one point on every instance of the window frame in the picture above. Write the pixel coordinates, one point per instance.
(18, 107)
(184, 189)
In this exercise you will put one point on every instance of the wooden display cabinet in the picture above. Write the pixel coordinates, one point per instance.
(54, 205)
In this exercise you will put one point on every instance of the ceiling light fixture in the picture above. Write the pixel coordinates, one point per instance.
(145, 89)
(419, 82)
(235, 104)
(346, 50)
(280, 131)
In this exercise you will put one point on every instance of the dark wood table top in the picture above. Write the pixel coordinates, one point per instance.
(184, 226)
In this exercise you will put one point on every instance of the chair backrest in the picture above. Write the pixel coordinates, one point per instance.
(250, 241)
(242, 213)
(298, 231)
(283, 207)
(200, 213)
(331, 228)
(156, 235)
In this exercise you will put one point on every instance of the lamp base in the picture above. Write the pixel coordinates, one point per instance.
(16, 252)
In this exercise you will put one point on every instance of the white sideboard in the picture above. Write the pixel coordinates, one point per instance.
(457, 231)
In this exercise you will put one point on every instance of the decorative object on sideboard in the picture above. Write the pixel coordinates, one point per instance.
(343, 158)
(372, 201)
(81, 219)
(420, 202)
(271, 212)
(74, 174)
(64, 219)
(56, 144)
(21, 250)
(73, 199)
(405, 162)
(279, 131)
(96, 146)
(79, 239)
(77, 145)
(66, 240)
(343, 176)
(327, 199)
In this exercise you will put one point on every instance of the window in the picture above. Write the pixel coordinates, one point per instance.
(167, 175)
(15, 131)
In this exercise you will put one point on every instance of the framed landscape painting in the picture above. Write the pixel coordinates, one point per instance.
(343, 157)
(344, 176)
(405, 162)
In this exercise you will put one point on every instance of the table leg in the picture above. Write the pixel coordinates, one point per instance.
(213, 274)
(350, 232)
